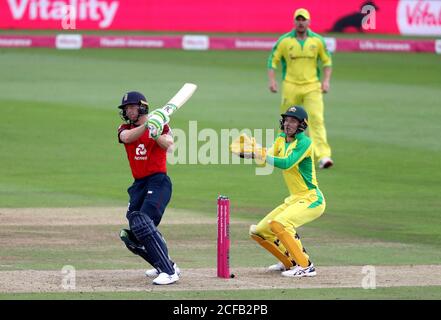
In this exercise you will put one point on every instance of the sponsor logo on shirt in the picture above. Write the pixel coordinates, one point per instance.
(141, 152)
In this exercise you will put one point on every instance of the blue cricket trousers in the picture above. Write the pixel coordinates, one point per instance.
(150, 195)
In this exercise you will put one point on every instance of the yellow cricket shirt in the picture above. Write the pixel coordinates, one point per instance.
(300, 59)
(296, 160)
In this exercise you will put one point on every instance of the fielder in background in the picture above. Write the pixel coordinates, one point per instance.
(300, 52)
(291, 152)
(146, 140)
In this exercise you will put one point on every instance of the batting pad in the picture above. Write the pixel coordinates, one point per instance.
(274, 250)
(146, 233)
(290, 244)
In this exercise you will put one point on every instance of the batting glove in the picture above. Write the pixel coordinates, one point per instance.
(154, 126)
(160, 114)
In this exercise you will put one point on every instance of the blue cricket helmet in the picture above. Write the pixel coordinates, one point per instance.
(136, 98)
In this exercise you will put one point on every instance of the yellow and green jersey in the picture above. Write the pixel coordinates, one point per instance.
(300, 59)
(296, 160)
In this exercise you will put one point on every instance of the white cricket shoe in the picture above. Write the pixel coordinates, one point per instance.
(151, 273)
(277, 267)
(299, 272)
(325, 163)
(165, 278)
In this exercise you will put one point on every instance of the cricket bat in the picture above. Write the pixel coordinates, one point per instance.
(160, 117)
(180, 98)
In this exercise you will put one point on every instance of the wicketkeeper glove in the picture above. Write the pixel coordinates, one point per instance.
(246, 147)
(241, 144)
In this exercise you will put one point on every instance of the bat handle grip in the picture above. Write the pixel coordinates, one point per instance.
(169, 108)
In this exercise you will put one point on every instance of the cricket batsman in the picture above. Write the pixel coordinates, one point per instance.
(292, 153)
(301, 53)
(146, 138)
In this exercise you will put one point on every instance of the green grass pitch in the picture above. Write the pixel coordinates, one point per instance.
(58, 148)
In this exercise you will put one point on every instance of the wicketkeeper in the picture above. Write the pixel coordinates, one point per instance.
(291, 152)
(146, 138)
